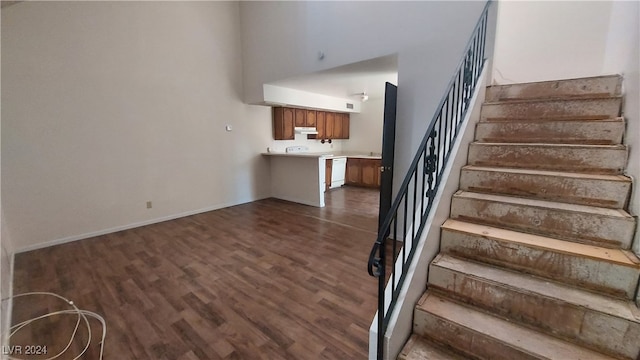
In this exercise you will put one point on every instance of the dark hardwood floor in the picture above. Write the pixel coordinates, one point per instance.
(265, 280)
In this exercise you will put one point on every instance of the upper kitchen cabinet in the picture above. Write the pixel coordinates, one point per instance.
(329, 124)
(310, 120)
(320, 124)
(300, 117)
(336, 126)
(345, 126)
(283, 123)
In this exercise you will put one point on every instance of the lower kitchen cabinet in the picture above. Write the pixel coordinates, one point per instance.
(363, 172)
(328, 173)
(353, 175)
(370, 172)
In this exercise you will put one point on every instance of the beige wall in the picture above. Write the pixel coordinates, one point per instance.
(6, 268)
(622, 56)
(359, 31)
(6, 265)
(108, 105)
(366, 128)
(545, 40)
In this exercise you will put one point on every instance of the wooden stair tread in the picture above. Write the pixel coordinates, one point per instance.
(608, 177)
(551, 119)
(539, 286)
(615, 256)
(556, 97)
(600, 211)
(551, 145)
(419, 348)
(559, 81)
(538, 344)
(586, 97)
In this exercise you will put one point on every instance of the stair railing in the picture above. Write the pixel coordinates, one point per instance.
(407, 216)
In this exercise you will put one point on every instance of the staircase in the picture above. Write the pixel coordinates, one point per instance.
(534, 261)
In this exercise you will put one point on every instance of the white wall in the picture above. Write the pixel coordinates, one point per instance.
(365, 128)
(546, 40)
(622, 56)
(274, 94)
(428, 37)
(6, 264)
(313, 145)
(107, 105)
(6, 281)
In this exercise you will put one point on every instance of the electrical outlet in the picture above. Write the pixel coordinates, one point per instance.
(149, 205)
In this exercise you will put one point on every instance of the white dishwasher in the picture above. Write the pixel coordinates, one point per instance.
(338, 170)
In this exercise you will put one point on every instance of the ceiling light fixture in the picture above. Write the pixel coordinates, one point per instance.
(363, 96)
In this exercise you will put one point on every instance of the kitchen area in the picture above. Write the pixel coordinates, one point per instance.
(326, 131)
(321, 159)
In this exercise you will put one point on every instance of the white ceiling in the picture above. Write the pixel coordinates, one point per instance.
(350, 80)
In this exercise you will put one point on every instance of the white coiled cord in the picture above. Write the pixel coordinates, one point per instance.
(82, 315)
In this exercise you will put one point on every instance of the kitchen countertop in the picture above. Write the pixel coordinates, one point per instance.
(326, 155)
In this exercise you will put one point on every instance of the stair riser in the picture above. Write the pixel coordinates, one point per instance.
(609, 85)
(556, 132)
(551, 315)
(419, 348)
(582, 191)
(573, 159)
(585, 228)
(577, 109)
(602, 276)
(472, 343)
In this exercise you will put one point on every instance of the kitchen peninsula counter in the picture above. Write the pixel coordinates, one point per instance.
(328, 155)
(300, 176)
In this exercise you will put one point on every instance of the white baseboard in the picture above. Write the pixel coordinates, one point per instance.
(129, 226)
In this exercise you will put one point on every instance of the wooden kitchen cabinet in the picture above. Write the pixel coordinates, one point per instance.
(345, 126)
(363, 172)
(330, 125)
(370, 172)
(300, 117)
(353, 174)
(283, 123)
(310, 120)
(340, 126)
(320, 124)
(330, 121)
(337, 126)
(333, 126)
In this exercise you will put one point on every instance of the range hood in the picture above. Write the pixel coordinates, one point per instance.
(306, 130)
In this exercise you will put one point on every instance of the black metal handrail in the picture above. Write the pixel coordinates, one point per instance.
(425, 171)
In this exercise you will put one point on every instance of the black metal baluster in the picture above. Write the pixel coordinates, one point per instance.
(406, 215)
(433, 152)
(424, 175)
